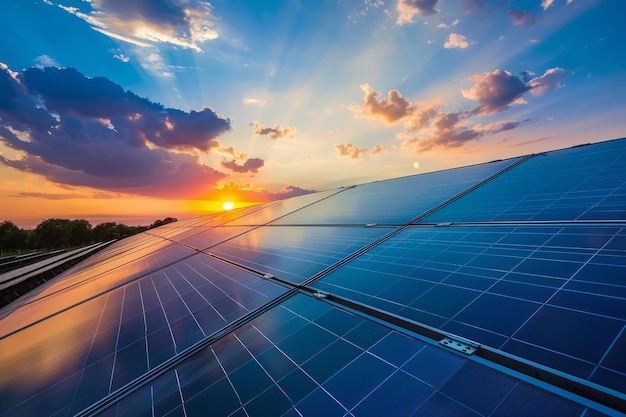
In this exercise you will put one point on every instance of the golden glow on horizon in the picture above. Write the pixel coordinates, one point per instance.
(228, 205)
(416, 165)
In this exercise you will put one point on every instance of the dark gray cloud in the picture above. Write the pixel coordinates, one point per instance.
(521, 17)
(84, 131)
(250, 165)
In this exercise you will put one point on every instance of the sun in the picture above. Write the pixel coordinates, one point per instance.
(228, 205)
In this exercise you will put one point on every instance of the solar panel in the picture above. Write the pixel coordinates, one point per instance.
(394, 201)
(304, 357)
(494, 289)
(581, 183)
(514, 289)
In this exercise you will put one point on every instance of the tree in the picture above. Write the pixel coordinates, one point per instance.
(11, 236)
(53, 233)
(166, 220)
(80, 233)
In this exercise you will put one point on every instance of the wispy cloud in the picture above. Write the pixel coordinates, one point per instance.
(521, 17)
(276, 132)
(144, 22)
(254, 101)
(68, 196)
(549, 81)
(121, 57)
(545, 4)
(45, 61)
(354, 152)
(248, 192)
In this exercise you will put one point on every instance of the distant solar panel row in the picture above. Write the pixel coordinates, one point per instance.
(210, 313)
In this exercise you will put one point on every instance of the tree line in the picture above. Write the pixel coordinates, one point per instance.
(53, 234)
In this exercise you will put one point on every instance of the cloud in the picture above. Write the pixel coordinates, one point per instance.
(378, 149)
(495, 91)
(82, 131)
(146, 22)
(354, 152)
(456, 41)
(230, 152)
(499, 90)
(254, 101)
(45, 61)
(390, 109)
(521, 17)
(246, 192)
(275, 132)
(549, 81)
(445, 26)
(121, 57)
(546, 4)
(446, 130)
(472, 5)
(69, 196)
(408, 9)
(452, 130)
(250, 165)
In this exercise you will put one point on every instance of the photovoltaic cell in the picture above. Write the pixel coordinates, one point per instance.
(584, 183)
(295, 253)
(105, 342)
(304, 357)
(70, 289)
(273, 211)
(553, 295)
(394, 201)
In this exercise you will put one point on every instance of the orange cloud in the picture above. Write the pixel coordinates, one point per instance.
(276, 132)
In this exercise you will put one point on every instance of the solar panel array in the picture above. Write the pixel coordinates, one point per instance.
(494, 289)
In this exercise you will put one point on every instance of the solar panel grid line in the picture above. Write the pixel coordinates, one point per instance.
(170, 363)
(470, 189)
(365, 394)
(609, 349)
(66, 308)
(59, 281)
(561, 281)
(563, 286)
(566, 382)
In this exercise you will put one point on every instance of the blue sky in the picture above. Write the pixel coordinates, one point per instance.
(113, 106)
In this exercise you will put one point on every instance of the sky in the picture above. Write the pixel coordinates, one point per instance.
(134, 110)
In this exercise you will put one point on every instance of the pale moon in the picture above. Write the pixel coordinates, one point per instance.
(416, 165)
(229, 205)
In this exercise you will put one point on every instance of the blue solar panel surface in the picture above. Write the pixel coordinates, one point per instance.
(304, 357)
(333, 304)
(554, 295)
(394, 201)
(583, 183)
